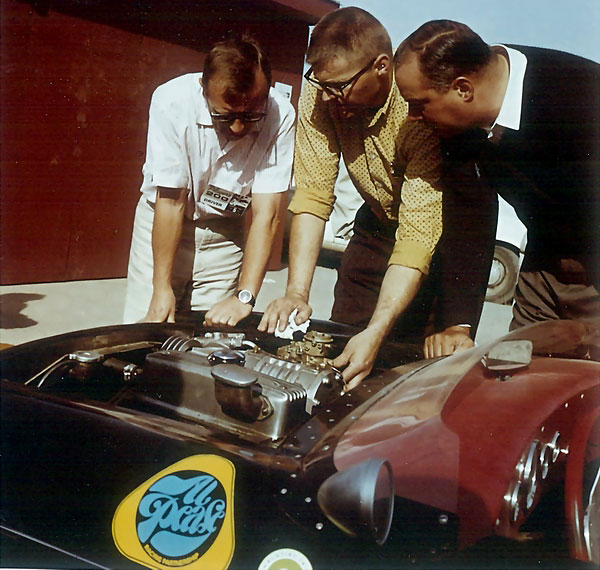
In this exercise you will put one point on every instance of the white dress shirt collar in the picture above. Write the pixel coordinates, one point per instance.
(510, 112)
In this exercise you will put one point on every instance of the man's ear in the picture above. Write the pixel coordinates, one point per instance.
(464, 89)
(383, 64)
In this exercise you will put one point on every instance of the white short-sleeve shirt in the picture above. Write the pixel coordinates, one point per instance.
(185, 151)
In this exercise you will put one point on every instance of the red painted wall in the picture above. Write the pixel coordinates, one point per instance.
(76, 84)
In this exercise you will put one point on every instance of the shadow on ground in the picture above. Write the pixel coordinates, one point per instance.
(12, 306)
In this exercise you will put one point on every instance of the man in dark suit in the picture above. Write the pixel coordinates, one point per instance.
(530, 120)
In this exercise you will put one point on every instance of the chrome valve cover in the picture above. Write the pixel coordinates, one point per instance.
(228, 382)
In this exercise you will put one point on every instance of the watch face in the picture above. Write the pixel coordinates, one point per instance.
(245, 296)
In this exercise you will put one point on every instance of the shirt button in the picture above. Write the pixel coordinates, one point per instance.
(372, 155)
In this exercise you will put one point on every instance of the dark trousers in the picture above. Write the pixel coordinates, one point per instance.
(361, 273)
(566, 289)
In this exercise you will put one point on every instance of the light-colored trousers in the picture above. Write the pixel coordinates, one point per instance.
(206, 267)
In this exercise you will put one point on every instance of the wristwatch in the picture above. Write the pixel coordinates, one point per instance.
(246, 297)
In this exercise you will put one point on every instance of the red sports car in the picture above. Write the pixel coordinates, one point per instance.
(175, 446)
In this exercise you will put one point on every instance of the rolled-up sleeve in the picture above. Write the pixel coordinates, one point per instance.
(420, 210)
(316, 158)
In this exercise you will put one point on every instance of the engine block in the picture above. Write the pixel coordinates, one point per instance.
(230, 382)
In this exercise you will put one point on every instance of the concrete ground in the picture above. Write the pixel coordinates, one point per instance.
(30, 312)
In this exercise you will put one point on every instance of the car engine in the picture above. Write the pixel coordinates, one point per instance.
(220, 379)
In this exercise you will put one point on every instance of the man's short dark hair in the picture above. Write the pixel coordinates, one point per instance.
(445, 50)
(238, 59)
(352, 33)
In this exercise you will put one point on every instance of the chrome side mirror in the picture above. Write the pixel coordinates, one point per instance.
(508, 356)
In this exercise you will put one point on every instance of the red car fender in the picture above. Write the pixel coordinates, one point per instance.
(583, 448)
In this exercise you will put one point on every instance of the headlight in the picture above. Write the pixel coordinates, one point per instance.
(530, 471)
(360, 499)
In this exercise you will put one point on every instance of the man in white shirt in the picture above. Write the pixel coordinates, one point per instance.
(219, 143)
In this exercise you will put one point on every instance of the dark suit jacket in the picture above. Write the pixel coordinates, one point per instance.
(548, 171)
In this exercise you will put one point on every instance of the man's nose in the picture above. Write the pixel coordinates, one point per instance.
(237, 127)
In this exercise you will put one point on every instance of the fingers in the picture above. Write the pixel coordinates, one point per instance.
(209, 318)
(227, 313)
(214, 316)
(356, 380)
(437, 345)
(222, 321)
(279, 311)
(162, 307)
(264, 322)
(341, 360)
(446, 343)
(283, 318)
(353, 371)
(304, 313)
(356, 369)
(274, 313)
(429, 348)
(440, 345)
(269, 318)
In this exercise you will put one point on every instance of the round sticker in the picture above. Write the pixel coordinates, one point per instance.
(285, 559)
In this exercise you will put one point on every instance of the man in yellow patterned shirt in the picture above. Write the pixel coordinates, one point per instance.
(350, 106)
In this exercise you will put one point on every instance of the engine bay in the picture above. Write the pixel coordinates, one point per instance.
(224, 380)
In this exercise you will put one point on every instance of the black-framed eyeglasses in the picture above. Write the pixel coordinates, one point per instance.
(230, 118)
(336, 88)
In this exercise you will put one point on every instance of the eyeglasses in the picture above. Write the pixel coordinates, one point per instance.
(336, 88)
(230, 118)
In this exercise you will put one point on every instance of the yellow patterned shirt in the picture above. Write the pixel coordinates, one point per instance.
(393, 162)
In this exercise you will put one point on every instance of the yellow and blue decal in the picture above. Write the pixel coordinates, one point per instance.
(180, 518)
